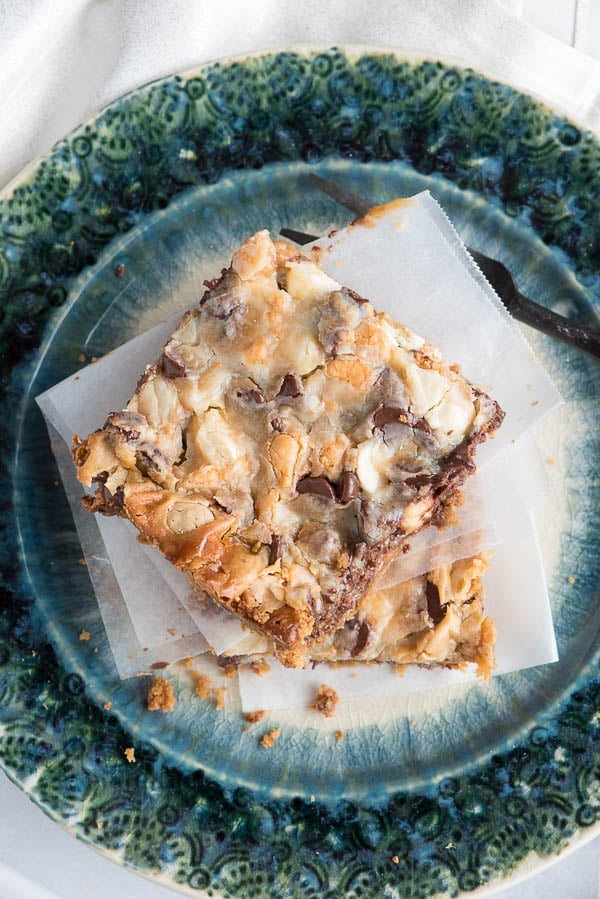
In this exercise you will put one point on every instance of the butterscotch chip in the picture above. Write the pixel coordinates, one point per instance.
(286, 441)
(326, 701)
(160, 696)
(269, 739)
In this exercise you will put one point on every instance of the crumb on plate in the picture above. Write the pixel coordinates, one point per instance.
(84, 635)
(326, 701)
(260, 667)
(130, 754)
(269, 739)
(160, 696)
(219, 695)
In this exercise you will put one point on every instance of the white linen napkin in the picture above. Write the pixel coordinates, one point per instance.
(59, 62)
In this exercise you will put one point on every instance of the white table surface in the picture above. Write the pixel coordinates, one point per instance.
(33, 849)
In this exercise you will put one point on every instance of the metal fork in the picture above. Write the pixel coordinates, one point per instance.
(519, 306)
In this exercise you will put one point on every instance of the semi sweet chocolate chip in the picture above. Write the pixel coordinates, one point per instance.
(362, 638)
(386, 415)
(435, 609)
(276, 548)
(316, 486)
(127, 423)
(283, 625)
(105, 502)
(348, 487)
(171, 366)
(291, 386)
(355, 296)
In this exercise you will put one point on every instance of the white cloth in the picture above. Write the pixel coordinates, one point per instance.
(60, 60)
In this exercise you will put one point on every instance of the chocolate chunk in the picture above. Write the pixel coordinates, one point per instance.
(316, 486)
(127, 423)
(277, 544)
(283, 625)
(386, 415)
(355, 296)
(258, 396)
(156, 666)
(211, 283)
(172, 366)
(150, 461)
(278, 424)
(105, 502)
(362, 638)
(348, 487)
(291, 386)
(435, 610)
(419, 480)
(149, 373)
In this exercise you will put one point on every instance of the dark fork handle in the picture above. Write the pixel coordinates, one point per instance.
(531, 313)
(520, 306)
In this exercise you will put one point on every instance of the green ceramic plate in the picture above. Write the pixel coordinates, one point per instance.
(100, 240)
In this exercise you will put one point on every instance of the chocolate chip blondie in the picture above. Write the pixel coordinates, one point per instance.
(288, 439)
(435, 619)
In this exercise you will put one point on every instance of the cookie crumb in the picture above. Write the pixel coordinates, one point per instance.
(160, 696)
(260, 667)
(550, 460)
(84, 635)
(326, 701)
(82, 561)
(269, 739)
(130, 754)
(107, 706)
(219, 695)
(395, 859)
(120, 270)
(99, 825)
(253, 717)
(81, 357)
(229, 666)
(202, 684)
(570, 579)
(339, 735)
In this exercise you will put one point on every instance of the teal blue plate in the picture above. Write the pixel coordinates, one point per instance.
(103, 238)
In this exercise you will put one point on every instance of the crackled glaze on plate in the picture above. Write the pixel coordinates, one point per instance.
(432, 796)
